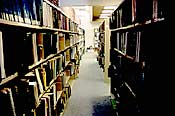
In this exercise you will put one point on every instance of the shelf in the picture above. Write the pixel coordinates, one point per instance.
(18, 24)
(8, 79)
(37, 64)
(138, 24)
(47, 59)
(29, 26)
(130, 89)
(56, 7)
(123, 54)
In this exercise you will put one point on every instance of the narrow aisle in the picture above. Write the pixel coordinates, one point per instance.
(90, 95)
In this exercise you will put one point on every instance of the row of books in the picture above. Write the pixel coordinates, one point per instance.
(36, 12)
(101, 44)
(23, 100)
(127, 85)
(35, 46)
(25, 11)
(135, 11)
(128, 43)
(33, 88)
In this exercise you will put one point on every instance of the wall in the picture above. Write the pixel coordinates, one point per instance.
(85, 15)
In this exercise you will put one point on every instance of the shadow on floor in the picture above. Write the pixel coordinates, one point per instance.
(102, 106)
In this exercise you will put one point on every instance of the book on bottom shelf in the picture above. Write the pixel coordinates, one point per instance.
(48, 105)
(42, 108)
(33, 93)
(59, 107)
(7, 103)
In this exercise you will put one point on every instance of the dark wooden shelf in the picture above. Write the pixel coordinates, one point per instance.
(123, 54)
(138, 24)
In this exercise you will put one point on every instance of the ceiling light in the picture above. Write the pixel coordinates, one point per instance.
(107, 11)
(105, 14)
(103, 17)
(110, 7)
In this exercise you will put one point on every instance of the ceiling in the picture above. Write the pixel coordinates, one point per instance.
(97, 5)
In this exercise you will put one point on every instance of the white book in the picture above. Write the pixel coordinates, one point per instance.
(3, 75)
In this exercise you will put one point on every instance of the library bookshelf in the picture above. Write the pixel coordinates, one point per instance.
(41, 49)
(138, 30)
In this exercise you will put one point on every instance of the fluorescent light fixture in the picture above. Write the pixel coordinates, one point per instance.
(104, 15)
(110, 7)
(107, 11)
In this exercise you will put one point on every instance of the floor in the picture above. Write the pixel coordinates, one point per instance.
(90, 95)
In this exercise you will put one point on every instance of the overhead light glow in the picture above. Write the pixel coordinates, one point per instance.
(107, 11)
(110, 7)
(103, 17)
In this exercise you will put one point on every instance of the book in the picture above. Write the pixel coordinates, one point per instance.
(142, 11)
(59, 64)
(67, 40)
(6, 11)
(1, 9)
(19, 10)
(54, 43)
(49, 73)
(39, 11)
(3, 75)
(67, 56)
(47, 44)
(26, 44)
(33, 95)
(48, 104)
(35, 54)
(55, 18)
(61, 41)
(14, 10)
(44, 14)
(33, 13)
(43, 77)
(26, 11)
(40, 47)
(10, 10)
(59, 107)
(7, 103)
(41, 110)
(16, 63)
(55, 2)
(59, 82)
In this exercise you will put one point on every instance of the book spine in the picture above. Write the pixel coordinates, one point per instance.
(26, 11)
(19, 10)
(33, 91)
(6, 11)
(39, 11)
(32, 6)
(61, 41)
(10, 10)
(3, 75)
(7, 103)
(40, 46)
(15, 12)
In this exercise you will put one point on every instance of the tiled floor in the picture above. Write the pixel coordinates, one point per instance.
(90, 95)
